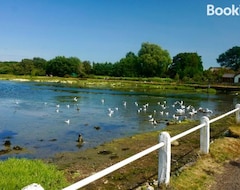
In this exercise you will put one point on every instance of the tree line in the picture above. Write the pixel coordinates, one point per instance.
(150, 61)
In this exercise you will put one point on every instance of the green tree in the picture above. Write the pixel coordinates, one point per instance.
(87, 67)
(25, 67)
(62, 66)
(40, 65)
(186, 65)
(126, 67)
(57, 66)
(153, 60)
(75, 67)
(103, 69)
(230, 59)
(6, 67)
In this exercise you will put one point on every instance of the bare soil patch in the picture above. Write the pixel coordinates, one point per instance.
(229, 178)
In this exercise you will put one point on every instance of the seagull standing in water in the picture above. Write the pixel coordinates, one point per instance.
(67, 121)
(102, 100)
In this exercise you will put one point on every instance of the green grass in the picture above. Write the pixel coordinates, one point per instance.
(127, 83)
(18, 173)
(201, 174)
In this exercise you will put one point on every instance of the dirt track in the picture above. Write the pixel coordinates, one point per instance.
(230, 178)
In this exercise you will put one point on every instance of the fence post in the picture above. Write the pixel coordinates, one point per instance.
(164, 156)
(205, 135)
(237, 114)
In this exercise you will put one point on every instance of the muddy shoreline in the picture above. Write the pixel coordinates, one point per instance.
(79, 165)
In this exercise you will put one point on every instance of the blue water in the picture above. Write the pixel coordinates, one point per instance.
(30, 118)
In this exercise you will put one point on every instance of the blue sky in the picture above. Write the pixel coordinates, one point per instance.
(105, 30)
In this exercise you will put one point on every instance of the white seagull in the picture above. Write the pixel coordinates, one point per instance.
(67, 121)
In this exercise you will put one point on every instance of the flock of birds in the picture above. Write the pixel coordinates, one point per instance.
(75, 99)
(153, 112)
(177, 111)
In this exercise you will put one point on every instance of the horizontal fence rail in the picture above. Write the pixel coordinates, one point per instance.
(228, 113)
(187, 132)
(164, 147)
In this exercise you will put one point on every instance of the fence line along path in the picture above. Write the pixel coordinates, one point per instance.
(164, 148)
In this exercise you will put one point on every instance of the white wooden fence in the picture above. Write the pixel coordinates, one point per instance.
(164, 146)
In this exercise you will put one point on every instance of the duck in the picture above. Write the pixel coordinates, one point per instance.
(80, 139)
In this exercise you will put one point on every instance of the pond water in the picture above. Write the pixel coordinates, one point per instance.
(34, 115)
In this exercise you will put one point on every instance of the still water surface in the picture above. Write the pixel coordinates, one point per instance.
(33, 115)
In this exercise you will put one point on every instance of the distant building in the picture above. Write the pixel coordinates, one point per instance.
(237, 78)
(231, 78)
(216, 69)
(213, 69)
(228, 77)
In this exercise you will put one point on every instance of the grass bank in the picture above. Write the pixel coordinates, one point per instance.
(202, 173)
(18, 173)
(138, 84)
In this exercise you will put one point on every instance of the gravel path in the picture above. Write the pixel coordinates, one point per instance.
(230, 178)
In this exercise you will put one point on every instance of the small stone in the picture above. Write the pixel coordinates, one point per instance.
(7, 143)
(104, 152)
(105, 182)
(124, 149)
(114, 157)
(33, 186)
(4, 151)
(155, 183)
(53, 140)
(175, 143)
(97, 127)
(149, 187)
(17, 148)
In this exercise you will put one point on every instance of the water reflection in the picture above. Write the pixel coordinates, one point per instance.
(28, 112)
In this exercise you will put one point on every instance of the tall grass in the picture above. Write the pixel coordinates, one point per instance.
(18, 173)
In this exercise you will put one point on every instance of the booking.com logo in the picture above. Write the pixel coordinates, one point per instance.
(233, 10)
